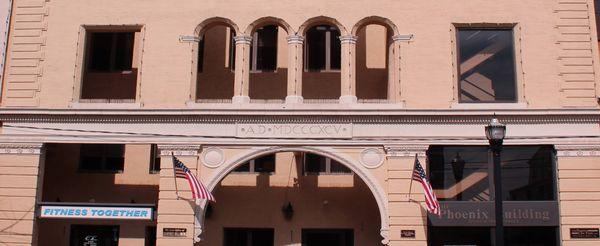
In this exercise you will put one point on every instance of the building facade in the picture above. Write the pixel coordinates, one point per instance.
(304, 119)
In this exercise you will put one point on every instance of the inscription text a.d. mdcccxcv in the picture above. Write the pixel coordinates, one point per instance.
(294, 130)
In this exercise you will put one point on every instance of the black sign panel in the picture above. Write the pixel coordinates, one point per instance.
(585, 233)
(407, 233)
(174, 232)
(534, 213)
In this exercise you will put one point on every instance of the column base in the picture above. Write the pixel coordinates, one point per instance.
(240, 99)
(348, 99)
(294, 99)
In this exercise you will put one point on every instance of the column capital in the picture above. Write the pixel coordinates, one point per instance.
(179, 149)
(348, 39)
(21, 148)
(242, 39)
(403, 37)
(408, 150)
(295, 39)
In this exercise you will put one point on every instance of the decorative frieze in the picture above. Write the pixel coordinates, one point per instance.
(578, 150)
(401, 151)
(179, 150)
(21, 149)
(294, 130)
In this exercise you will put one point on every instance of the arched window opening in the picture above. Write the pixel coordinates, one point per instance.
(322, 59)
(215, 65)
(373, 49)
(268, 64)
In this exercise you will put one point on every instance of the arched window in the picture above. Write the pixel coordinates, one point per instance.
(322, 58)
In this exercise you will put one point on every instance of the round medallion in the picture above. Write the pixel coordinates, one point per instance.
(371, 158)
(213, 157)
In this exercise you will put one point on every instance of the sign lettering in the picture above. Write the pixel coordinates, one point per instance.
(294, 130)
(86, 212)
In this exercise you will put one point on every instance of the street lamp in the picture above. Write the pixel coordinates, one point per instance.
(495, 133)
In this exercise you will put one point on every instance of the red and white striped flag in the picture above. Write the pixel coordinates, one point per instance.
(198, 189)
(433, 206)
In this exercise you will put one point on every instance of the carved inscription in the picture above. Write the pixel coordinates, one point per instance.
(294, 130)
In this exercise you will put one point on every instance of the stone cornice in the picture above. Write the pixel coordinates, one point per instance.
(357, 117)
(21, 148)
(179, 149)
(400, 151)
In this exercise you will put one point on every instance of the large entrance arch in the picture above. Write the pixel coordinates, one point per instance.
(362, 172)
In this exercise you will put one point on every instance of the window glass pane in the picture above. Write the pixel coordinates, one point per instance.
(102, 157)
(243, 168)
(459, 235)
(124, 50)
(528, 173)
(265, 164)
(267, 48)
(154, 159)
(531, 236)
(336, 49)
(314, 163)
(486, 65)
(337, 167)
(459, 173)
(315, 43)
(100, 51)
(249, 237)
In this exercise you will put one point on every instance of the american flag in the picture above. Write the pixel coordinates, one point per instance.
(198, 189)
(433, 206)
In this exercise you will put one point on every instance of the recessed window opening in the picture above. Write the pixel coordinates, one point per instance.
(101, 158)
(263, 52)
(323, 49)
(154, 159)
(486, 68)
(110, 65)
(373, 48)
(264, 164)
(316, 164)
(215, 64)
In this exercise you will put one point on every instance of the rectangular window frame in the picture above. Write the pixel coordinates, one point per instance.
(155, 160)
(328, 162)
(520, 99)
(252, 167)
(254, 53)
(81, 63)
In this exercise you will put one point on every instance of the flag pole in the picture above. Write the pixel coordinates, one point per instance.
(411, 177)
(175, 175)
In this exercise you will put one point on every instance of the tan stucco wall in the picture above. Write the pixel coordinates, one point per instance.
(427, 64)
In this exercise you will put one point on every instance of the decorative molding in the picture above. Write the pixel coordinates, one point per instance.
(213, 157)
(179, 150)
(403, 37)
(21, 149)
(577, 150)
(348, 39)
(401, 151)
(295, 39)
(242, 39)
(372, 158)
(189, 39)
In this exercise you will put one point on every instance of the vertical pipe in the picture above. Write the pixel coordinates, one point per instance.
(499, 211)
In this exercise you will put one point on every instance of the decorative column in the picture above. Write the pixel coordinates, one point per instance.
(394, 66)
(295, 69)
(348, 69)
(405, 211)
(174, 211)
(21, 182)
(242, 69)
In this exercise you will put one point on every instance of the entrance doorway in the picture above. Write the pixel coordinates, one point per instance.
(94, 235)
(327, 237)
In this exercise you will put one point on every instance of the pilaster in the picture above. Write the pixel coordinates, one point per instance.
(295, 69)
(348, 69)
(242, 69)
(21, 179)
(176, 209)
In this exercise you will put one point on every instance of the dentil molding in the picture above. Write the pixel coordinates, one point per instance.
(21, 149)
(179, 150)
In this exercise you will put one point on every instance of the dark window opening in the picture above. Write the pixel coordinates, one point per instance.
(263, 52)
(110, 72)
(111, 51)
(264, 164)
(316, 164)
(94, 235)
(154, 159)
(248, 237)
(102, 158)
(201, 55)
(514, 236)
(330, 237)
(150, 239)
(486, 65)
(323, 48)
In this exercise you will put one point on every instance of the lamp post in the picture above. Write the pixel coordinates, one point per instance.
(495, 133)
